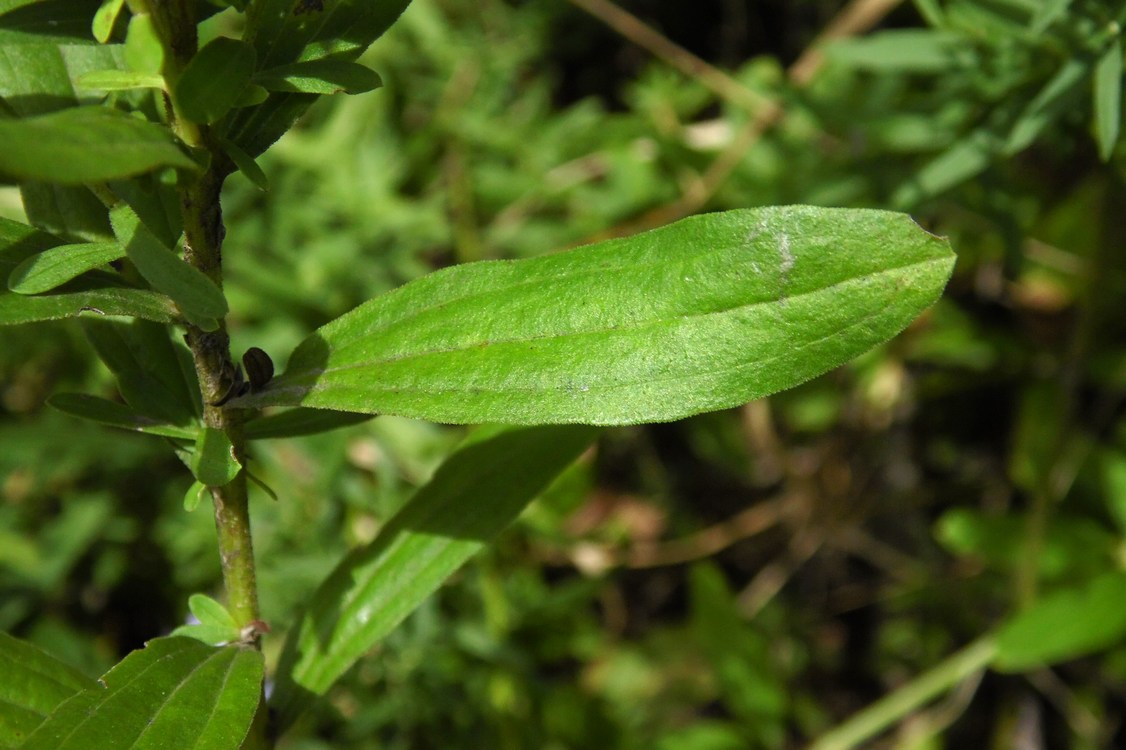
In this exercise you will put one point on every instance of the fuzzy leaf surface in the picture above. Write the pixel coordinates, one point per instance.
(705, 314)
(175, 690)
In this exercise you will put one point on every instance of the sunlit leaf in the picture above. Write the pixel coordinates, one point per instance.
(708, 313)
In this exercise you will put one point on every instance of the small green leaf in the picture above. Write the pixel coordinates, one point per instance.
(195, 294)
(1065, 625)
(86, 144)
(1108, 98)
(105, 19)
(58, 265)
(213, 81)
(320, 77)
(213, 462)
(111, 413)
(34, 685)
(192, 499)
(210, 612)
(179, 688)
(300, 421)
(119, 80)
(144, 52)
(246, 165)
(705, 314)
(216, 626)
(447, 521)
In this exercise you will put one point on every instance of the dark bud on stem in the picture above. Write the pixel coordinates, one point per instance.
(259, 368)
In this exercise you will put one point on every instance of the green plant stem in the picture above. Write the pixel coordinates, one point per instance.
(203, 233)
(895, 706)
(203, 237)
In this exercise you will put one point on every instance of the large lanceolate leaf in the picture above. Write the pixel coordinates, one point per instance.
(93, 293)
(177, 692)
(704, 314)
(34, 684)
(478, 491)
(284, 32)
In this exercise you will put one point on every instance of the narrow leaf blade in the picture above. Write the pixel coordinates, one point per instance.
(119, 80)
(86, 144)
(85, 406)
(58, 265)
(1108, 98)
(320, 77)
(444, 524)
(704, 314)
(196, 294)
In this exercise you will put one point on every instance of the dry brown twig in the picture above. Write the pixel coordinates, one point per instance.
(855, 18)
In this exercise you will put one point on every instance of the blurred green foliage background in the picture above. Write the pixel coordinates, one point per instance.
(744, 579)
